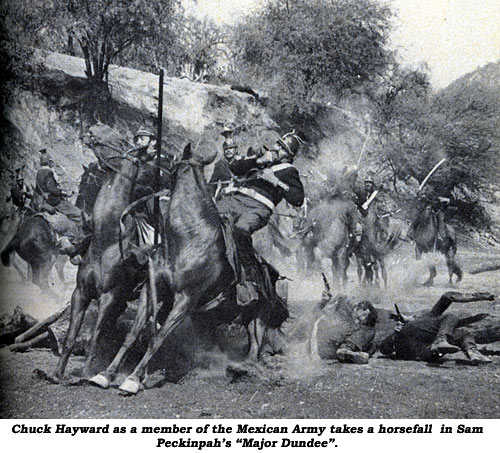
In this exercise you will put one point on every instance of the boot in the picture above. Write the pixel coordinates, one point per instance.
(346, 354)
(442, 346)
(446, 328)
(475, 357)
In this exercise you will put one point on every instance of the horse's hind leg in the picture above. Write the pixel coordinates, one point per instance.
(343, 264)
(376, 275)
(180, 310)
(383, 271)
(256, 338)
(59, 265)
(359, 264)
(105, 378)
(453, 268)
(106, 302)
(79, 304)
(432, 275)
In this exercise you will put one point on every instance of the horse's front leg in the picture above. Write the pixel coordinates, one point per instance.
(104, 378)
(79, 304)
(182, 306)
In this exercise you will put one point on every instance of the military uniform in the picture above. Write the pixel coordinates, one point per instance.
(426, 337)
(50, 196)
(439, 205)
(251, 204)
(222, 174)
(66, 219)
(19, 194)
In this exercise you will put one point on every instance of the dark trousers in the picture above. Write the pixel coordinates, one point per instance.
(249, 215)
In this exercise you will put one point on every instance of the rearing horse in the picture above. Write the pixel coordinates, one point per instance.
(104, 275)
(192, 270)
(427, 240)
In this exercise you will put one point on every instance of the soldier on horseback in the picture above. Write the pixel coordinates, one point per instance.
(222, 168)
(370, 196)
(144, 184)
(65, 218)
(439, 206)
(269, 177)
(19, 193)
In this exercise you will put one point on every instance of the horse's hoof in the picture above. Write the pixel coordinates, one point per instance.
(428, 284)
(130, 386)
(100, 380)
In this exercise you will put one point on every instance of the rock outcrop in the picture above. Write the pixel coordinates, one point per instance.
(58, 107)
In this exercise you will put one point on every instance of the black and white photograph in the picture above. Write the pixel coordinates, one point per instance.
(250, 210)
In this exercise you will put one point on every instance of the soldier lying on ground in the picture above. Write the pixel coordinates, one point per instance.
(427, 336)
(344, 331)
(431, 334)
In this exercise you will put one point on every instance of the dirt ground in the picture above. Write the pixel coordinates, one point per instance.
(291, 386)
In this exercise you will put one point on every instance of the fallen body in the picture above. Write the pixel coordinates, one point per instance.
(418, 338)
(344, 331)
(431, 334)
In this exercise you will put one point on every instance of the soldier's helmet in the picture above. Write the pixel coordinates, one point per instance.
(44, 157)
(142, 132)
(370, 178)
(19, 174)
(229, 144)
(290, 143)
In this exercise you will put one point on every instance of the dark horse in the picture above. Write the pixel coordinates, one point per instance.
(90, 184)
(36, 243)
(192, 270)
(104, 275)
(427, 240)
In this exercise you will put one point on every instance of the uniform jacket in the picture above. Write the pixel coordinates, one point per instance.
(47, 188)
(18, 195)
(285, 172)
(221, 172)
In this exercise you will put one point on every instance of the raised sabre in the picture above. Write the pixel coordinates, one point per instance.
(424, 182)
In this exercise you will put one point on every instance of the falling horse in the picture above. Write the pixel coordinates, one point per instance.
(428, 240)
(192, 276)
(104, 275)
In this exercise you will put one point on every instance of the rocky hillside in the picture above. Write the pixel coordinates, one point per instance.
(53, 112)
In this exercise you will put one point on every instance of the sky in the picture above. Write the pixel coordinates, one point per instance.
(452, 37)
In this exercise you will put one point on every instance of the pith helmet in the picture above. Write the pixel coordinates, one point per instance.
(290, 143)
(19, 173)
(229, 144)
(44, 157)
(370, 177)
(142, 132)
